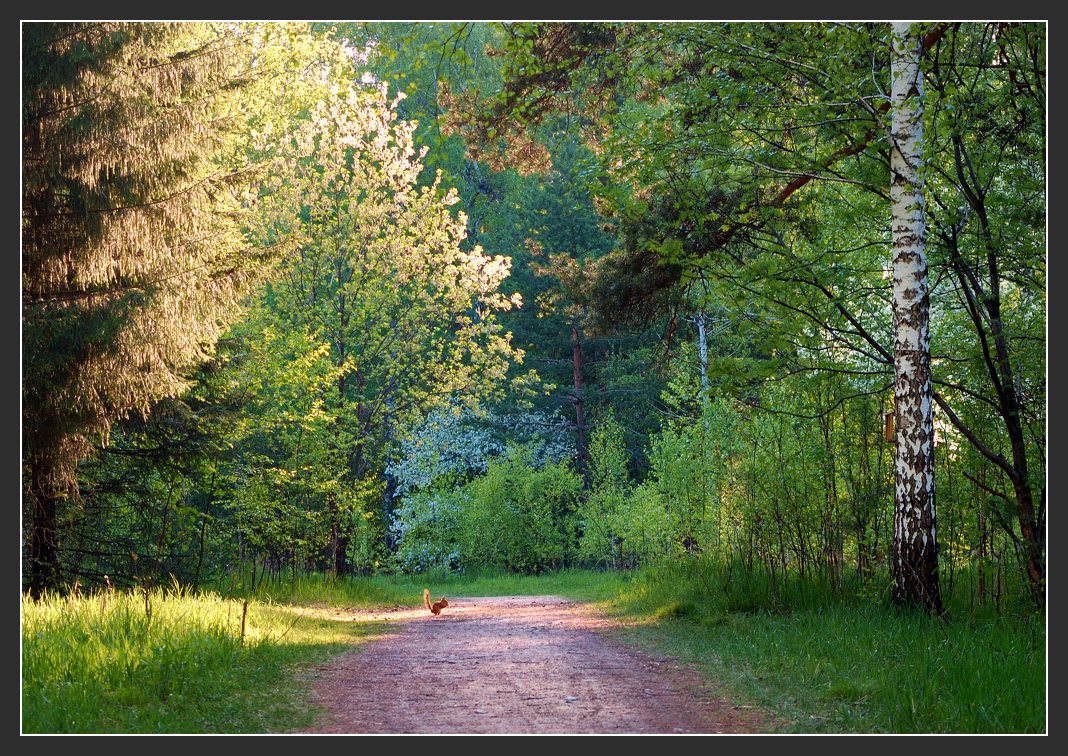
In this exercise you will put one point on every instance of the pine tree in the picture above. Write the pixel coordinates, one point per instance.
(133, 260)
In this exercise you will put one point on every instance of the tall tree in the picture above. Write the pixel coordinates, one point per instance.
(757, 159)
(133, 259)
(380, 275)
(915, 563)
(986, 209)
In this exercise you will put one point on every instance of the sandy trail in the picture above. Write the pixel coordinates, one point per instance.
(513, 664)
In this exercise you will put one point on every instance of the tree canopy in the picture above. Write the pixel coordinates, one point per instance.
(419, 296)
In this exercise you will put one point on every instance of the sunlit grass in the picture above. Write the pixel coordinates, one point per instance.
(106, 663)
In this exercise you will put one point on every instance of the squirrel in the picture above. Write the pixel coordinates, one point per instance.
(437, 606)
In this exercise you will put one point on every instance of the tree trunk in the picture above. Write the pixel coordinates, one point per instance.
(984, 306)
(915, 566)
(341, 562)
(45, 571)
(339, 541)
(581, 448)
(981, 589)
(200, 555)
(390, 489)
(702, 348)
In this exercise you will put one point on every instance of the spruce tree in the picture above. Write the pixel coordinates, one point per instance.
(133, 260)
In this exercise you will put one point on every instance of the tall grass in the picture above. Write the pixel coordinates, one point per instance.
(824, 660)
(176, 662)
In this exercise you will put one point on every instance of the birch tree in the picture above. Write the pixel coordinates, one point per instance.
(915, 556)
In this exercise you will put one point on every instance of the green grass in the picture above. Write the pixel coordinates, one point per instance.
(100, 664)
(815, 660)
(407, 590)
(825, 664)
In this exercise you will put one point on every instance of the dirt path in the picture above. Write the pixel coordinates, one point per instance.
(514, 664)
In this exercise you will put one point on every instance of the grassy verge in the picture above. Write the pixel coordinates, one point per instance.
(822, 663)
(817, 660)
(106, 663)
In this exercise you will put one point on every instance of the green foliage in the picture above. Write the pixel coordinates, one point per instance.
(600, 514)
(427, 528)
(646, 527)
(755, 180)
(317, 437)
(148, 507)
(519, 517)
(454, 444)
(691, 464)
(385, 315)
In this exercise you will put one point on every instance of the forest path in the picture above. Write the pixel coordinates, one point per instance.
(513, 664)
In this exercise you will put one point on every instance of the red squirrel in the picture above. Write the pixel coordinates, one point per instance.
(437, 606)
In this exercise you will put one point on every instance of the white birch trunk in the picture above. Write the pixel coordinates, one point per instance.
(702, 346)
(915, 567)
